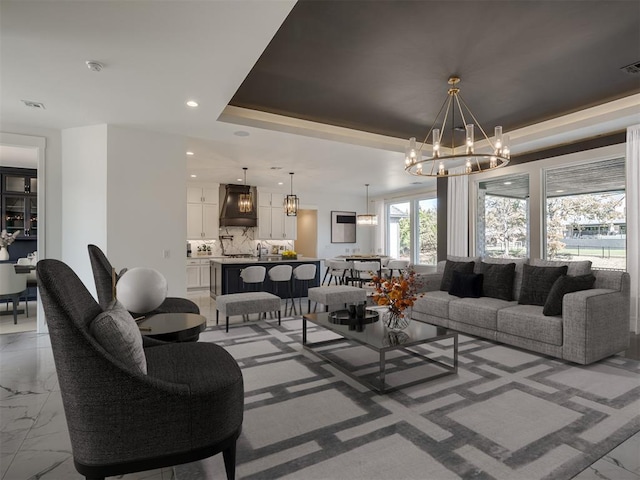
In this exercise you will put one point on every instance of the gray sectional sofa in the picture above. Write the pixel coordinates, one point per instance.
(594, 323)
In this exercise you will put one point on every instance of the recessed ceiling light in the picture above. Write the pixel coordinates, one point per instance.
(276, 168)
(416, 183)
(559, 191)
(193, 176)
(239, 179)
(189, 153)
(32, 104)
(192, 103)
(241, 133)
(280, 183)
(508, 183)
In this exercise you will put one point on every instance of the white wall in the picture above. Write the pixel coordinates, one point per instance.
(84, 197)
(124, 190)
(146, 203)
(53, 183)
(344, 202)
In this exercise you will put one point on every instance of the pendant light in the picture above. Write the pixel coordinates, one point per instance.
(291, 202)
(367, 218)
(245, 200)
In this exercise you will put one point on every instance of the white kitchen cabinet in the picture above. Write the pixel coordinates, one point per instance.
(202, 213)
(273, 223)
(198, 275)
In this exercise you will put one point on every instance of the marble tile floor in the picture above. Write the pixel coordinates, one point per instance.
(34, 442)
(25, 323)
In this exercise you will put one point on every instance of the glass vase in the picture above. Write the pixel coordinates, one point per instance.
(396, 322)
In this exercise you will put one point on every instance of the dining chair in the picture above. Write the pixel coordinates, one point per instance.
(398, 265)
(364, 271)
(12, 287)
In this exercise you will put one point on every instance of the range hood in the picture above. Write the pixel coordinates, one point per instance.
(230, 214)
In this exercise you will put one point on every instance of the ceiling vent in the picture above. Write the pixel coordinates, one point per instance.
(31, 104)
(633, 69)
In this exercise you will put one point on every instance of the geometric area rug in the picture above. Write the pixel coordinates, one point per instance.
(507, 413)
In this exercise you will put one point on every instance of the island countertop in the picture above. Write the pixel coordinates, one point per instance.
(225, 274)
(262, 260)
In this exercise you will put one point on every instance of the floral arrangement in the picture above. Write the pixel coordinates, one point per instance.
(397, 293)
(7, 239)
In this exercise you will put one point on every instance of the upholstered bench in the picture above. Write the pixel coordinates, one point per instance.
(335, 295)
(246, 303)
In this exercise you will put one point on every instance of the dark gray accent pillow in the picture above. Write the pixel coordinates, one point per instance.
(466, 285)
(537, 283)
(498, 280)
(563, 285)
(117, 332)
(449, 268)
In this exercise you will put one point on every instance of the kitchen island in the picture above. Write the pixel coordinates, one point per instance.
(225, 274)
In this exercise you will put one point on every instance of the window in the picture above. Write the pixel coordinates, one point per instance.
(502, 226)
(412, 230)
(585, 213)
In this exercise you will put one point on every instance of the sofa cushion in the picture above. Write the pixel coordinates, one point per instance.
(117, 332)
(450, 267)
(527, 321)
(466, 285)
(498, 280)
(537, 282)
(563, 285)
(434, 303)
(582, 267)
(481, 312)
(517, 282)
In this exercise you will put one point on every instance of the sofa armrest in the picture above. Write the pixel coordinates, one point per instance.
(428, 282)
(595, 324)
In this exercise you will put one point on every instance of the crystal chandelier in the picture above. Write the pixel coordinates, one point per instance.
(245, 200)
(367, 218)
(291, 202)
(470, 161)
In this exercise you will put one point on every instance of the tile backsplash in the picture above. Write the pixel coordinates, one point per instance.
(238, 240)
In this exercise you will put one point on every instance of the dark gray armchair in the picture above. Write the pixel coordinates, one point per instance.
(187, 407)
(102, 275)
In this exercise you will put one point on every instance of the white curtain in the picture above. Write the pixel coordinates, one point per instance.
(633, 226)
(458, 215)
(381, 230)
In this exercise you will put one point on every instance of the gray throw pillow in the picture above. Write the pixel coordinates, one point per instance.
(117, 332)
(498, 280)
(537, 283)
(563, 285)
(449, 268)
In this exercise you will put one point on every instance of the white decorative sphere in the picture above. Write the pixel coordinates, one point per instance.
(141, 289)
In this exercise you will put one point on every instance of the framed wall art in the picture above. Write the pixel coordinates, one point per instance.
(343, 227)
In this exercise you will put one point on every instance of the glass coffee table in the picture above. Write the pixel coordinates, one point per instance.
(372, 333)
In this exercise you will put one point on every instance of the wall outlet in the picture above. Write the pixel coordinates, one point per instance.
(165, 253)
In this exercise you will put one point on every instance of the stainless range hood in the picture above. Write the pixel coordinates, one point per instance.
(230, 214)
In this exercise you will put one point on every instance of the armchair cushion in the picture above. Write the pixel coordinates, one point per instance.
(116, 331)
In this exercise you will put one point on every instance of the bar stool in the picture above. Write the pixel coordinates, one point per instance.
(304, 274)
(253, 278)
(252, 281)
(282, 274)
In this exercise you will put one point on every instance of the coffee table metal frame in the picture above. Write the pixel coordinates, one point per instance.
(322, 320)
